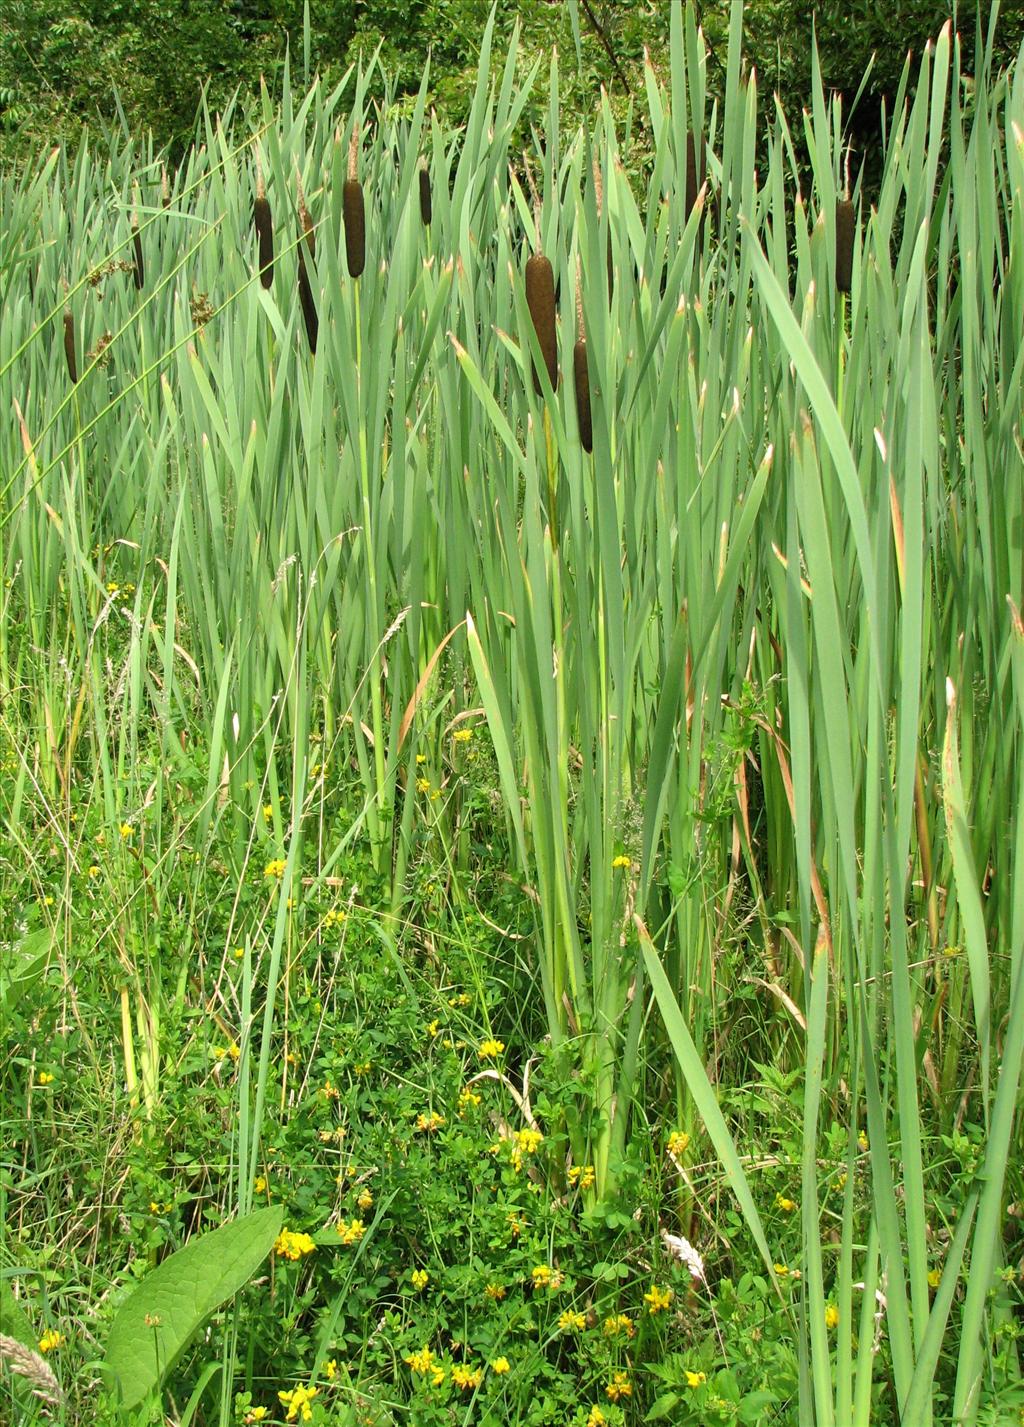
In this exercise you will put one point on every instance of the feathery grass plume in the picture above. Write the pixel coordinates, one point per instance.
(426, 202)
(264, 229)
(845, 224)
(33, 1367)
(309, 312)
(354, 212)
(581, 374)
(139, 268)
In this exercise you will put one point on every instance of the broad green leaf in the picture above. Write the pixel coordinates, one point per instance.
(27, 962)
(154, 1326)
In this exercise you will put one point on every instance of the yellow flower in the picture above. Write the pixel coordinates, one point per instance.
(677, 1142)
(495, 1291)
(468, 1099)
(695, 1379)
(275, 868)
(460, 1000)
(44, 1078)
(621, 861)
(239, 953)
(331, 1370)
(430, 1122)
(524, 1142)
(351, 1231)
(421, 758)
(260, 1184)
(582, 1176)
(127, 831)
(423, 785)
(365, 1200)
(786, 1205)
(571, 1321)
(862, 1140)
(234, 1050)
(462, 735)
(421, 1362)
(541, 1276)
(434, 1029)
(268, 811)
(297, 1403)
(420, 1278)
(620, 1386)
(93, 871)
(50, 1340)
(781, 1269)
(831, 1316)
(362, 1067)
(596, 1418)
(467, 1378)
(329, 1091)
(491, 1049)
(618, 1323)
(657, 1298)
(934, 1277)
(500, 1365)
(255, 1414)
(515, 1224)
(291, 1245)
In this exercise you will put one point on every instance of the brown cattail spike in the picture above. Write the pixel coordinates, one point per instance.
(540, 298)
(139, 270)
(845, 226)
(69, 345)
(355, 226)
(309, 314)
(165, 189)
(581, 382)
(264, 224)
(692, 182)
(426, 203)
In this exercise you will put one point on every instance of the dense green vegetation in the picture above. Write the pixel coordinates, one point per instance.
(512, 893)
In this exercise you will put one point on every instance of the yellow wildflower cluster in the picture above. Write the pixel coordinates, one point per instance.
(365, 1200)
(500, 1365)
(934, 1277)
(290, 1245)
(677, 1142)
(127, 832)
(495, 1291)
(515, 1224)
(467, 1378)
(335, 916)
(620, 1386)
(621, 861)
(462, 999)
(491, 1049)
(334, 1136)
(596, 1418)
(582, 1176)
(297, 1402)
(362, 1067)
(350, 1231)
(695, 1379)
(51, 1339)
(831, 1316)
(571, 1322)
(658, 1299)
(255, 1414)
(420, 1278)
(524, 1144)
(462, 735)
(618, 1323)
(545, 1277)
(275, 868)
(232, 1051)
(786, 1205)
(468, 1100)
(44, 1078)
(424, 1363)
(429, 1123)
(434, 1029)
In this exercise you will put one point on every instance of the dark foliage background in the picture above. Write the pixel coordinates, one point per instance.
(144, 63)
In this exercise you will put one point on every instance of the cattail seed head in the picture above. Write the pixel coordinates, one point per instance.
(69, 345)
(845, 227)
(426, 203)
(581, 383)
(139, 269)
(540, 298)
(309, 313)
(692, 183)
(165, 188)
(355, 226)
(264, 224)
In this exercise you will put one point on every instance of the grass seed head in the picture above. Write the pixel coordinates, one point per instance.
(540, 298)
(845, 226)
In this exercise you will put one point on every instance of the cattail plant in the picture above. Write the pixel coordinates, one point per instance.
(309, 312)
(354, 211)
(599, 200)
(540, 296)
(165, 188)
(693, 147)
(845, 225)
(581, 374)
(426, 203)
(264, 229)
